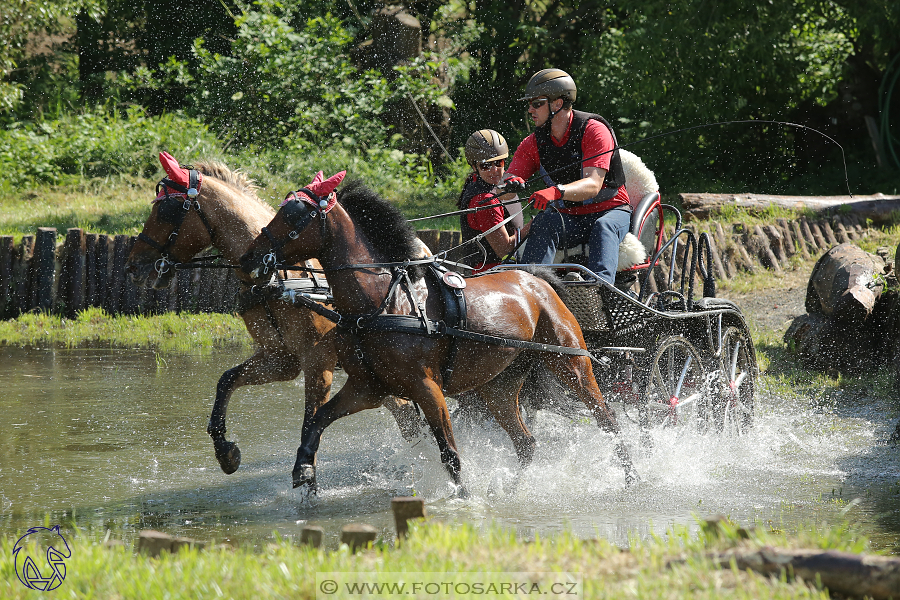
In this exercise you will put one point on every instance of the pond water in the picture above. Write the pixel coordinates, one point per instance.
(117, 439)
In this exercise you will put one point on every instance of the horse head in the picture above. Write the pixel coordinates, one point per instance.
(289, 237)
(176, 229)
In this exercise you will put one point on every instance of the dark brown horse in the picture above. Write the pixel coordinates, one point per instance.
(350, 238)
(227, 215)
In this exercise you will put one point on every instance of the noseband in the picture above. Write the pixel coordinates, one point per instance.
(173, 208)
(298, 211)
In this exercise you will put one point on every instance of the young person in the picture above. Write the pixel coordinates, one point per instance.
(486, 152)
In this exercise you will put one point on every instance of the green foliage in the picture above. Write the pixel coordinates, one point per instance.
(687, 63)
(296, 87)
(96, 143)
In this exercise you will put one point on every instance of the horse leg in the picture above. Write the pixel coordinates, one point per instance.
(350, 399)
(428, 395)
(406, 415)
(576, 372)
(257, 369)
(501, 395)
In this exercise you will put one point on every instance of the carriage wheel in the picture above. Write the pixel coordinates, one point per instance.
(674, 395)
(735, 383)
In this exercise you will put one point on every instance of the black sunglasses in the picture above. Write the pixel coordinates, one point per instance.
(536, 104)
(484, 166)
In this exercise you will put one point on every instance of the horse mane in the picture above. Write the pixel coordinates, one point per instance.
(381, 222)
(236, 179)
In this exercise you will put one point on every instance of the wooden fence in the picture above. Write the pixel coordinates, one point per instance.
(88, 269)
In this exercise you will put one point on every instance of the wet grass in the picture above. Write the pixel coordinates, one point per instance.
(674, 565)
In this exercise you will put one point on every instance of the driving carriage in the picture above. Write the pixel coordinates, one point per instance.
(669, 359)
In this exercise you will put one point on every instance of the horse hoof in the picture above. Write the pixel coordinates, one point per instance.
(305, 475)
(228, 454)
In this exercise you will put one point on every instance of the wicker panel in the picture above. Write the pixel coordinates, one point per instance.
(587, 306)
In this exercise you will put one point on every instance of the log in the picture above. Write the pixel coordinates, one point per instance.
(358, 535)
(7, 250)
(877, 207)
(404, 509)
(840, 232)
(821, 242)
(760, 243)
(808, 236)
(853, 575)
(799, 241)
(43, 267)
(825, 226)
(71, 280)
(722, 244)
(311, 535)
(787, 238)
(22, 274)
(843, 284)
(776, 238)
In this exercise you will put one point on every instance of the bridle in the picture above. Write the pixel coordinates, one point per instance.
(173, 208)
(298, 210)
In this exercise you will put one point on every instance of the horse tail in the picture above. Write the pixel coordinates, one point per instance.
(550, 276)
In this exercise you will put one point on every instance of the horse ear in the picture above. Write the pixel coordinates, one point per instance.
(172, 168)
(323, 188)
(320, 176)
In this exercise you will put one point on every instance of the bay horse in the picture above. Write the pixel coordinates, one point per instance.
(228, 215)
(361, 240)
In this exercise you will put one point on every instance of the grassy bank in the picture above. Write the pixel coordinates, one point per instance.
(675, 565)
(170, 332)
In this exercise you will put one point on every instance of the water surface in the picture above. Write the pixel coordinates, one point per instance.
(118, 439)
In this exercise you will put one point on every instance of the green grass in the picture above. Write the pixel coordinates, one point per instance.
(675, 565)
(169, 332)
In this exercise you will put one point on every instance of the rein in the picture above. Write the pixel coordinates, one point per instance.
(420, 325)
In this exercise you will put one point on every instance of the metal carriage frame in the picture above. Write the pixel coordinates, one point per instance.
(670, 359)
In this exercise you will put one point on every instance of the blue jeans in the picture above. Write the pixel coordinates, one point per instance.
(603, 232)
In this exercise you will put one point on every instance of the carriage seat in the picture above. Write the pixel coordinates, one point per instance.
(639, 243)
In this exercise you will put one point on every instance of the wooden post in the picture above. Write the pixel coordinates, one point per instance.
(311, 536)
(404, 509)
(102, 259)
(775, 241)
(43, 267)
(22, 274)
(205, 291)
(71, 284)
(799, 240)
(760, 245)
(185, 297)
(7, 249)
(90, 269)
(431, 238)
(130, 293)
(808, 236)
(840, 233)
(817, 233)
(358, 535)
(116, 294)
(722, 245)
(787, 242)
(154, 543)
(828, 233)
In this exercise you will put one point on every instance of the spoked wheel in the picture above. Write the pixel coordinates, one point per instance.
(735, 384)
(674, 395)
